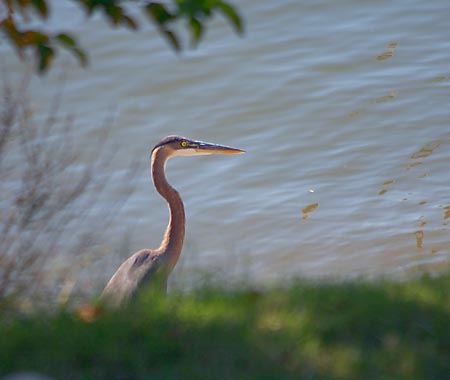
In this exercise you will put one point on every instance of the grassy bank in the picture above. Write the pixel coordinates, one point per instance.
(383, 330)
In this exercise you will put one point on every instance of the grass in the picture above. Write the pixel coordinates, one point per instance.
(357, 330)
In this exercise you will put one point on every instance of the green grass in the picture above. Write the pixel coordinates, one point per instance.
(357, 330)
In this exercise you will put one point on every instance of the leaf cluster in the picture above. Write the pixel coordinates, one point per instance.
(119, 13)
(195, 12)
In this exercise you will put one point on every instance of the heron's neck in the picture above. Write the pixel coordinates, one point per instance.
(173, 239)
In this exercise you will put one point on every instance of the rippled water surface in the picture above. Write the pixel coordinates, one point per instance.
(343, 108)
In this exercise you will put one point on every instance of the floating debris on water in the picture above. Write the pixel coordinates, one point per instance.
(447, 212)
(426, 150)
(413, 164)
(308, 209)
(440, 78)
(419, 239)
(353, 113)
(392, 95)
(388, 53)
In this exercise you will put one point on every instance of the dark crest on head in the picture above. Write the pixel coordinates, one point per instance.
(169, 140)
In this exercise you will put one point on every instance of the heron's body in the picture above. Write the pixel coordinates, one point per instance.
(153, 267)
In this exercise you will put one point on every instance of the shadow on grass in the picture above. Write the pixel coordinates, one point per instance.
(352, 331)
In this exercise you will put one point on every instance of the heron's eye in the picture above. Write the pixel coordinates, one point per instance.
(183, 144)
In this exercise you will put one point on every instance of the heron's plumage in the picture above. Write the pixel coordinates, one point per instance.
(153, 267)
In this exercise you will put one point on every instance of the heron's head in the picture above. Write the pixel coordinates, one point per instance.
(175, 146)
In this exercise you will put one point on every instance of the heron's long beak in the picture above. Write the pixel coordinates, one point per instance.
(201, 147)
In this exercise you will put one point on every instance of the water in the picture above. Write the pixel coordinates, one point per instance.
(341, 105)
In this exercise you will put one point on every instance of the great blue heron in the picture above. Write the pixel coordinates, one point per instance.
(154, 266)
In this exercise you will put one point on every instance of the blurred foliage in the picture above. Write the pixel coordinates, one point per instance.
(50, 184)
(120, 13)
(357, 330)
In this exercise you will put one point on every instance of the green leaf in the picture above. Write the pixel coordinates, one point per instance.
(32, 37)
(158, 13)
(196, 30)
(129, 22)
(81, 55)
(172, 38)
(230, 13)
(114, 13)
(45, 54)
(68, 42)
(41, 8)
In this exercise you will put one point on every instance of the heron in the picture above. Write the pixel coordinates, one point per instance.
(149, 267)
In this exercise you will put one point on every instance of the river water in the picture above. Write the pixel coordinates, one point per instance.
(343, 108)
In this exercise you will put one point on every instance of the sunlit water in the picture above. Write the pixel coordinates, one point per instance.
(343, 108)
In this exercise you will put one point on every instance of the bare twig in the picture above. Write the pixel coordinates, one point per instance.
(49, 207)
